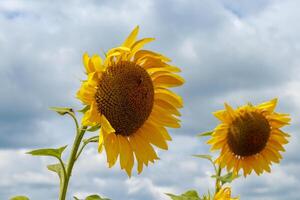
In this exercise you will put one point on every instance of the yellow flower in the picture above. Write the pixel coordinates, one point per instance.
(249, 137)
(224, 194)
(128, 95)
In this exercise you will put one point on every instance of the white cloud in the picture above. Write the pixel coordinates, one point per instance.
(229, 51)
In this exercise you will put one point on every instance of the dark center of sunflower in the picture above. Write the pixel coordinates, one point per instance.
(125, 96)
(248, 134)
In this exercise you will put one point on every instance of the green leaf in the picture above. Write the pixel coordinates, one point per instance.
(84, 109)
(209, 133)
(189, 195)
(94, 128)
(48, 152)
(204, 156)
(95, 197)
(75, 198)
(227, 178)
(91, 139)
(62, 111)
(57, 168)
(19, 198)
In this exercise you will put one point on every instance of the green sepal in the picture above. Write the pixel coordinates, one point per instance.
(62, 111)
(76, 198)
(57, 168)
(209, 133)
(227, 178)
(204, 156)
(84, 109)
(94, 128)
(48, 152)
(19, 198)
(95, 197)
(189, 195)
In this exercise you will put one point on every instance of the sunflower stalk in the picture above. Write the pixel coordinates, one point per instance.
(218, 181)
(86, 142)
(80, 131)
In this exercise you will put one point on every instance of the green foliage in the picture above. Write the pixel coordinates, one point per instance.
(204, 156)
(95, 197)
(19, 198)
(209, 133)
(84, 109)
(94, 128)
(48, 152)
(62, 111)
(91, 139)
(189, 195)
(227, 178)
(57, 168)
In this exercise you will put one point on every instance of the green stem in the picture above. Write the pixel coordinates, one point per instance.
(218, 184)
(80, 150)
(85, 142)
(63, 167)
(75, 120)
(72, 159)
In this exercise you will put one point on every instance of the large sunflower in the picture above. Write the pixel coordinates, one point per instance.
(224, 194)
(128, 95)
(249, 137)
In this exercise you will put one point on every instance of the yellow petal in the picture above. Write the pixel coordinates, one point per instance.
(86, 59)
(221, 115)
(131, 38)
(165, 133)
(106, 125)
(92, 116)
(92, 64)
(146, 53)
(138, 149)
(275, 145)
(86, 95)
(268, 106)
(111, 145)
(263, 162)
(270, 155)
(130, 162)
(109, 58)
(139, 44)
(150, 62)
(169, 69)
(125, 151)
(152, 134)
(163, 119)
(168, 107)
(230, 111)
(167, 95)
(98, 63)
(118, 50)
(140, 165)
(151, 154)
(168, 80)
(101, 141)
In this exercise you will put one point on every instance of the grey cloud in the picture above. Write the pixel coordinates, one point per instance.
(234, 52)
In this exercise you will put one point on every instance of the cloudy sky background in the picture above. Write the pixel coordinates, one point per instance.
(233, 51)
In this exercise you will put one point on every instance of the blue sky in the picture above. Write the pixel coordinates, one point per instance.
(229, 51)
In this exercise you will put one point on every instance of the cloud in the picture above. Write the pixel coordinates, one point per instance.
(229, 51)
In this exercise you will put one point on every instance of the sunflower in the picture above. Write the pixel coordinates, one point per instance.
(249, 137)
(224, 194)
(128, 94)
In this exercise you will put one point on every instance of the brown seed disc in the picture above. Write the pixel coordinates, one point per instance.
(248, 134)
(125, 96)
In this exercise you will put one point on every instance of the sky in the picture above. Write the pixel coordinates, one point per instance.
(229, 51)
